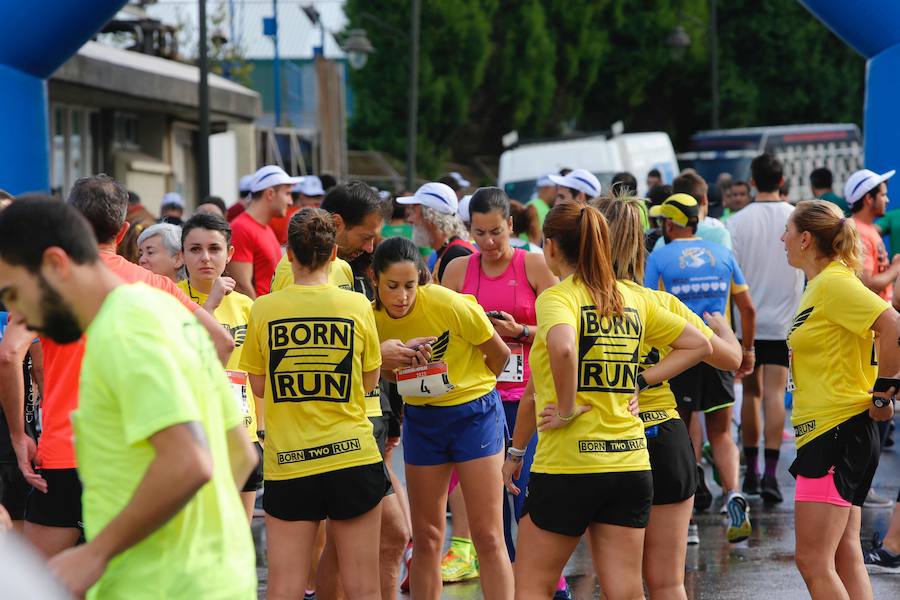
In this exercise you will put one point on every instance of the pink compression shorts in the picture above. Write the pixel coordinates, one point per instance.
(818, 489)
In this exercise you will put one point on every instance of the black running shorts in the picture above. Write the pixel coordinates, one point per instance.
(255, 481)
(61, 505)
(340, 495)
(672, 459)
(703, 388)
(13, 491)
(568, 504)
(852, 449)
(771, 352)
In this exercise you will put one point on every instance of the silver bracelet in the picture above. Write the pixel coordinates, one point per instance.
(511, 451)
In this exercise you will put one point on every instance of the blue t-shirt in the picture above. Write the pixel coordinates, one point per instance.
(702, 274)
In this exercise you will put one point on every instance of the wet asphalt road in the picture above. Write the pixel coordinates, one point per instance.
(761, 567)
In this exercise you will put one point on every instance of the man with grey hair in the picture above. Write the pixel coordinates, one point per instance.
(53, 515)
(436, 224)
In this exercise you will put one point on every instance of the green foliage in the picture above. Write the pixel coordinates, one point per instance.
(544, 67)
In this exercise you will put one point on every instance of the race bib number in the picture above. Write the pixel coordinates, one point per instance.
(790, 382)
(514, 371)
(239, 389)
(429, 381)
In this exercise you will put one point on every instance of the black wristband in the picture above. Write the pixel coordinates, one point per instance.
(641, 382)
(883, 384)
(526, 333)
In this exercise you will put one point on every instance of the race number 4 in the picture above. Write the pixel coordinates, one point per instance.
(514, 370)
(429, 381)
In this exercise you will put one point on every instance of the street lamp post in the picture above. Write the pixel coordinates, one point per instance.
(203, 103)
(413, 110)
(679, 41)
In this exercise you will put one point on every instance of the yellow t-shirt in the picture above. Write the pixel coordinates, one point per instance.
(608, 438)
(340, 274)
(313, 343)
(234, 314)
(460, 326)
(832, 346)
(657, 402)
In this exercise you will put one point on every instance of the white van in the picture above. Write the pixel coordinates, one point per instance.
(637, 153)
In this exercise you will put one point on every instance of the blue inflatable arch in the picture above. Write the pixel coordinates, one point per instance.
(872, 28)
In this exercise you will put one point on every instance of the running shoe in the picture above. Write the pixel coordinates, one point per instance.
(693, 535)
(703, 497)
(407, 559)
(460, 563)
(565, 594)
(739, 528)
(307, 595)
(879, 560)
(708, 455)
(751, 484)
(873, 500)
(770, 491)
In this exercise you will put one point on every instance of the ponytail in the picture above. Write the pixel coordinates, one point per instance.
(582, 236)
(834, 235)
(627, 251)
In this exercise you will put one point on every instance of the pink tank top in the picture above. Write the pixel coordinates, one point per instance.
(512, 293)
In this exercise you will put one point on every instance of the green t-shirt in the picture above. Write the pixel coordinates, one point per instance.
(890, 226)
(149, 365)
(832, 197)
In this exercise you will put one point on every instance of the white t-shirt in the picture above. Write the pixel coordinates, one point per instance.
(776, 286)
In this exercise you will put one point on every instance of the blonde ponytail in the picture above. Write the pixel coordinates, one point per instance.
(835, 235)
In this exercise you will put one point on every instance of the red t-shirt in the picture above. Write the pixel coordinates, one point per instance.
(874, 254)
(234, 211)
(256, 244)
(280, 224)
(62, 370)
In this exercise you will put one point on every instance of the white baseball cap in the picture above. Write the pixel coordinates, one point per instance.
(309, 186)
(862, 182)
(462, 181)
(172, 199)
(463, 211)
(437, 196)
(545, 181)
(270, 176)
(579, 179)
(244, 185)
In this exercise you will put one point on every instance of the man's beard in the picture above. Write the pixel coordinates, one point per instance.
(421, 237)
(60, 323)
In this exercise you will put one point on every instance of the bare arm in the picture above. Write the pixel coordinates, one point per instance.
(241, 455)
(525, 428)
(687, 350)
(878, 281)
(181, 466)
(37, 365)
(539, 274)
(726, 354)
(455, 273)
(887, 327)
(370, 379)
(496, 353)
(561, 347)
(242, 273)
(220, 337)
(744, 304)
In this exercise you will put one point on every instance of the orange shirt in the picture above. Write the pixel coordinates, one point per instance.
(62, 370)
(280, 224)
(874, 255)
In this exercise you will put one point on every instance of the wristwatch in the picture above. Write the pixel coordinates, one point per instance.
(526, 333)
(880, 402)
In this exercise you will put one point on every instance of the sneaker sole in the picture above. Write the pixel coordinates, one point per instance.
(743, 529)
(873, 568)
(461, 578)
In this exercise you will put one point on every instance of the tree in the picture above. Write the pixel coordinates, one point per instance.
(454, 48)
